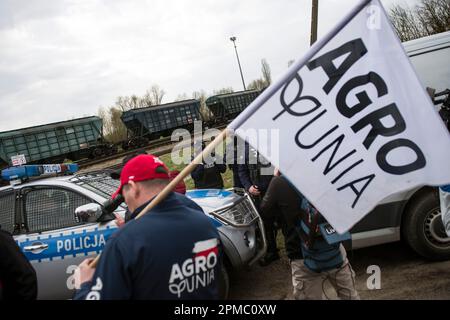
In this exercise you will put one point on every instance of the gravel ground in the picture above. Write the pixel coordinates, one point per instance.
(404, 275)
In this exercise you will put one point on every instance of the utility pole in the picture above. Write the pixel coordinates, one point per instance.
(314, 15)
(233, 39)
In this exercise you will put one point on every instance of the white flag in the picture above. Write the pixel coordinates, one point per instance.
(355, 124)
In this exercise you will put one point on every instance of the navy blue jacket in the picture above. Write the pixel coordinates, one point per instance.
(173, 252)
(236, 181)
(208, 176)
(232, 158)
(245, 174)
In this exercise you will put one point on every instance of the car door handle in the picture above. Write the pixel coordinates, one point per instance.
(41, 246)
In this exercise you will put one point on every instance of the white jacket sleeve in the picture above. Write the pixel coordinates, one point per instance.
(445, 208)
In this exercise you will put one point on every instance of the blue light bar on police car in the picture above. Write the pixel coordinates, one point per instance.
(28, 171)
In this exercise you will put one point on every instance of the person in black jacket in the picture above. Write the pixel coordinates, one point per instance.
(173, 252)
(282, 203)
(232, 158)
(208, 174)
(255, 174)
(17, 276)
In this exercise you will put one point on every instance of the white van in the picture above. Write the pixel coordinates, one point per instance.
(415, 216)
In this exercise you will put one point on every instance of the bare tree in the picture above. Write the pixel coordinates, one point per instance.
(157, 94)
(405, 23)
(125, 103)
(152, 97)
(264, 81)
(223, 91)
(182, 97)
(113, 128)
(122, 103)
(434, 15)
(427, 18)
(257, 84)
(118, 130)
(265, 69)
(201, 96)
(147, 99)
(104, 115)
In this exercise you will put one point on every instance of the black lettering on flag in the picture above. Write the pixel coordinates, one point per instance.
(356, 48)
(347, 170)
(419, 163)
(362, 96)
(357, 192)
(288, 106)
(297, 136)
(337, 142)
(378, 129)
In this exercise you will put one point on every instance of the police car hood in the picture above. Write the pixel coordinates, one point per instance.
(212, 199)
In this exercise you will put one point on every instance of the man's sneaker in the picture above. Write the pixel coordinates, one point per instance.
(269, 258)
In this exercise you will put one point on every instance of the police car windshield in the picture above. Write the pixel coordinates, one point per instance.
(98, 182)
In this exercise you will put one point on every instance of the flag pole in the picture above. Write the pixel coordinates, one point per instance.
(171, 186)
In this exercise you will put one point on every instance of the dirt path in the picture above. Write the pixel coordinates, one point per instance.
(404, 275)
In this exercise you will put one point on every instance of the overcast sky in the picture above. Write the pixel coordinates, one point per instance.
(61, 59)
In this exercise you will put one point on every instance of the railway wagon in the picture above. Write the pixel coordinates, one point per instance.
(54, 142)
(227, 106)
(151, 123)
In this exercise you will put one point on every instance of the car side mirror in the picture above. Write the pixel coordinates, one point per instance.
(89, 212)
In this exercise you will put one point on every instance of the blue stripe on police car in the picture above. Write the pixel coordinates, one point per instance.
(69, 245)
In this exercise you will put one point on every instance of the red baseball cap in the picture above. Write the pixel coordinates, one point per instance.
(140, 168)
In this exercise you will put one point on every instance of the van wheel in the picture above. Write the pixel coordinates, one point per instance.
(423, 229)
(224, 283)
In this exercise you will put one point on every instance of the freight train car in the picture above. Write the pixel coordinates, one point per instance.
(227, 106)
(151, 123)
(55, 142)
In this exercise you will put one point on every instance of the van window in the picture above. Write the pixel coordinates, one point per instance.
(433, 69)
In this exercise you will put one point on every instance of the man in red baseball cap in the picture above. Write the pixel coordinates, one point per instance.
(161, 255)
(181, 186)
(143, 168)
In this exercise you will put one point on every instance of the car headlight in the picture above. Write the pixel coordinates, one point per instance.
(241, 213)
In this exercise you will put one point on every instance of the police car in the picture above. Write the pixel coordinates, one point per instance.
(43, 216)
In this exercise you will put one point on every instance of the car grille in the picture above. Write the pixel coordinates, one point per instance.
(100, 182)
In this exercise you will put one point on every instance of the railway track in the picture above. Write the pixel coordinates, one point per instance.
(154, 144)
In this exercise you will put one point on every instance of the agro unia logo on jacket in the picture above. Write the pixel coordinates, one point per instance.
(196, 272)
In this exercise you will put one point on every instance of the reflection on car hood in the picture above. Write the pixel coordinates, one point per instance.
(212, 199)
